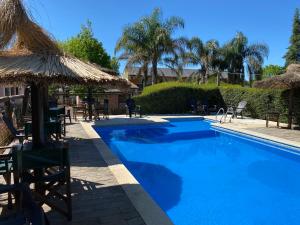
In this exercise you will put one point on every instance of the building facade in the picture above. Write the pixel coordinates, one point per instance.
(133, 74)
(11, 91)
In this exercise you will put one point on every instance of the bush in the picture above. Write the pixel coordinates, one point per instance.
(175, 97)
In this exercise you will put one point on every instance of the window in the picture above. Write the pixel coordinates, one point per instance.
(12, 91)
(17, 91)
(7, 91)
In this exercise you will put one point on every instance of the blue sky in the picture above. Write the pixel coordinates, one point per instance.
(268, 21)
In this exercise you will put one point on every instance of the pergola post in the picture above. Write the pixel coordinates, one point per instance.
(90, 106)
(39, 95)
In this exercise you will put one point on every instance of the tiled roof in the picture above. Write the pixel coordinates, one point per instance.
(133, 71)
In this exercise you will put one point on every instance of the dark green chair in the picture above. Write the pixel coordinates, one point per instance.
(9, 162)
(17, 133)
(26, 210)
(49, 170)
(52, 129)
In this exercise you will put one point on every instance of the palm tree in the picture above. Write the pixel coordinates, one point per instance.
(178, 59)
(238, 54)
(133, 47)
(149, 39)
(204, 54)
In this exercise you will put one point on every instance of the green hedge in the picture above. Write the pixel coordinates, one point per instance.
(175, 97)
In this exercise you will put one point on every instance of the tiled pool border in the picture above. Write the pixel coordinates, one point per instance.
(150, 212)
(256, 135)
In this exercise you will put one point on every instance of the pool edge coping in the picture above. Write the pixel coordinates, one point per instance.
(148, 209)
(267, 137)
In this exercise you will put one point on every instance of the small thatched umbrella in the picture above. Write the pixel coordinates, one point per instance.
(289, 80)
(28, 55)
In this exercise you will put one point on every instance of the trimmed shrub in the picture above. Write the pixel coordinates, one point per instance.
(175, 97)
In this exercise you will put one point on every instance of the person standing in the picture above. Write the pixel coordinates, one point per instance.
(130, 105)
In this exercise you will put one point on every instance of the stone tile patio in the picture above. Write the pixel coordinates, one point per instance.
(258, 128)
(97, 197)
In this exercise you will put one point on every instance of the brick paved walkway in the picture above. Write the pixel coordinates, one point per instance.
(97, 198)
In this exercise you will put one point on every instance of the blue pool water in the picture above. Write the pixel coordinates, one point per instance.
(199, 175)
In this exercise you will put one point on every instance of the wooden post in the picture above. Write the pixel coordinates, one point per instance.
(25, 104)
(38, 96)
(90, 109)
(291, 108)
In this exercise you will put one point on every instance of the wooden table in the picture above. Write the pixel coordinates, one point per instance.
(272, 116)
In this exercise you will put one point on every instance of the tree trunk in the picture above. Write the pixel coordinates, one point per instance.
(218, 78)
(206, 76)
(39, 102)
(155, 74)
(242, 77)
(203, 74)
(250, 79)
(145, 71)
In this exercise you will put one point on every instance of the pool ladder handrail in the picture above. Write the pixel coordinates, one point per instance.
(223, 114)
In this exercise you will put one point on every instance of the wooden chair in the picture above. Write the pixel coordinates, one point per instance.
(6, 168)
(27, 211)
(272, 116)
(53, 129)
(60, 114)
(49, 170)
(17, 133)
(80, 110)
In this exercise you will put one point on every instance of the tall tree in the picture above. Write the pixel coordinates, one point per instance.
(272, 70)
(149, 39)
(239, 53)
(179, 58)
(293, 53)
(205, 55)
(133, 48)
(85, 46)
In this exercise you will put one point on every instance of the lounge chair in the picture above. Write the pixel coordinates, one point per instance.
(235, 111)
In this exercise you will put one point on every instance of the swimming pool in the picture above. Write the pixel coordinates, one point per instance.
(201, 175)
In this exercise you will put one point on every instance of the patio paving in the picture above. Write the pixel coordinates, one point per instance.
(97, 197)
(258, 128)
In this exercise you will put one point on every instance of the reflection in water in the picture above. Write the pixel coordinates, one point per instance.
(161, 183)
(161, 135)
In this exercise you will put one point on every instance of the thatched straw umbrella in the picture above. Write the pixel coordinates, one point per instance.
(28, 55)
(289, 80)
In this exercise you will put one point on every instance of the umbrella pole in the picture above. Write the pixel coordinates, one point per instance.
(38, 102)
(291, 106)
